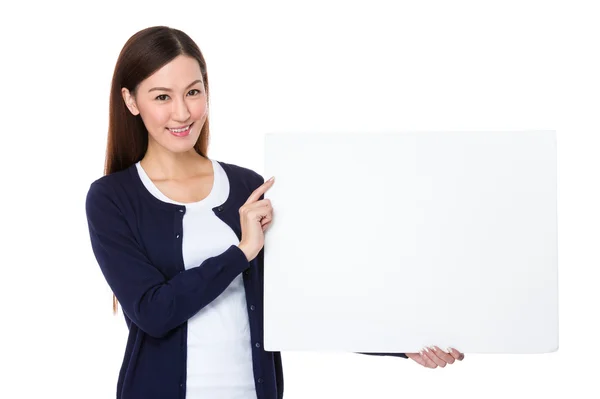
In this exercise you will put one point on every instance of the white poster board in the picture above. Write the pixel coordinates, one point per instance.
(389, 242)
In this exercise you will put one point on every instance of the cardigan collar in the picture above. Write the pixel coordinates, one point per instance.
(138, 184)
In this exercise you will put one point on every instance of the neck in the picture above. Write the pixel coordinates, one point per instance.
(167, 165)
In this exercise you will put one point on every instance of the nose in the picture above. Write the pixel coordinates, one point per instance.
(180, 111)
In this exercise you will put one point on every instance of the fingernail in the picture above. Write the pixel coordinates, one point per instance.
(432, 348)
(448, 349)
(271, 178)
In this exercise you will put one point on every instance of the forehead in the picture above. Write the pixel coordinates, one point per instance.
(176, 74)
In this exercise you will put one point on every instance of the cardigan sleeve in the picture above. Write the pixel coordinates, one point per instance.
(154, 303)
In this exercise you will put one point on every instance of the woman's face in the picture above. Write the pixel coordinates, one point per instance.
(171, 98)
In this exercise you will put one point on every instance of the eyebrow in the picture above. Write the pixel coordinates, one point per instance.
(167, 89)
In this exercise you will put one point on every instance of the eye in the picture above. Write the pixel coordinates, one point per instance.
(161, 97)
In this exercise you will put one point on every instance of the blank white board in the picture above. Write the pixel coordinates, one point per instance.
(389, 242)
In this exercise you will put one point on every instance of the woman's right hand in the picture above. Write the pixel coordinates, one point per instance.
(255, 216)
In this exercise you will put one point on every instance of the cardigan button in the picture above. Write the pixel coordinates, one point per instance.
(247, 273)
(220, 209)
(257, 344)
(260, 380)
(252, 307)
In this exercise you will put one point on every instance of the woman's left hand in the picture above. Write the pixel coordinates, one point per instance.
(433, 357)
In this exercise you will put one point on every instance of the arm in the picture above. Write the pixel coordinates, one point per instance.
(154, 303)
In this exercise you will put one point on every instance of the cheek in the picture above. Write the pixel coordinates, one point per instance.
(198, 110)
(158, 117)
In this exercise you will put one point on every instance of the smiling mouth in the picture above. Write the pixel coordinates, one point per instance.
(181, 129)
(182, 132)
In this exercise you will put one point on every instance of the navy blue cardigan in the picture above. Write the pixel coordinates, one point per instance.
(136, 239)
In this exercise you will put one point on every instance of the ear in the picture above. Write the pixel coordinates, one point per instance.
(129, 101)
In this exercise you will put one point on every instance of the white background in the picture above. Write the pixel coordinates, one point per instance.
(283, 66)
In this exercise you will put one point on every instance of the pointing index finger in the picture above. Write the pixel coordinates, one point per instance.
(260, 191)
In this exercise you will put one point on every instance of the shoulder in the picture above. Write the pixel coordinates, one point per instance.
(100, 198)
(243, 175)
(106, 192)
(114, 180)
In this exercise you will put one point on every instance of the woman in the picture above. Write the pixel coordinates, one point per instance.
(179, 236)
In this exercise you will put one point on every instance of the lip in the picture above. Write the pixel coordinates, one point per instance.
(182, 134)
(180, 127)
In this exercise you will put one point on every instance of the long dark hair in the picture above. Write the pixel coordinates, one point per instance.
(143, 54)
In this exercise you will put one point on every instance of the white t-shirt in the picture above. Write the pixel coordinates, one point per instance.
(219, 352)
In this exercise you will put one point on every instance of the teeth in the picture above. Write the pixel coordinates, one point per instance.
(179, 130)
